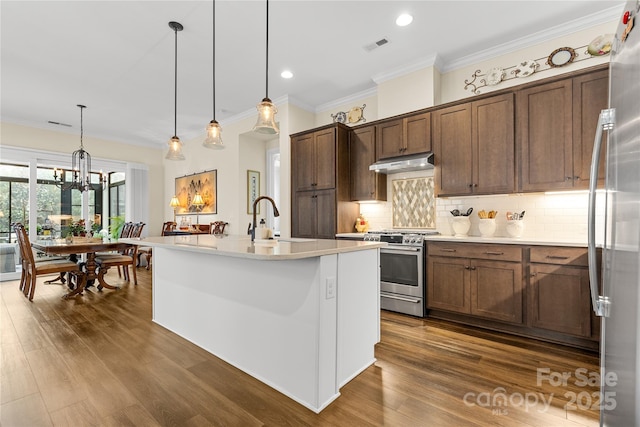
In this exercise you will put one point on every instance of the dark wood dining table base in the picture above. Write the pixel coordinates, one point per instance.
(91, 265)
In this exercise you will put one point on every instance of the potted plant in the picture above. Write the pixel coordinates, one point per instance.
(117, 222)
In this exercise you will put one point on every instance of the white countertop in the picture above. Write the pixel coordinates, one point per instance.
(242, 247)
(547, 241)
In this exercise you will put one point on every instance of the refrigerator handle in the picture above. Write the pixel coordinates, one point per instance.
(599, 303)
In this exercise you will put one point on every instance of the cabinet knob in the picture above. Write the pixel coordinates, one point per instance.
(533, 274)
(577, 178)
(473, 268)
(470, 185)
(568, 178)
(466, 267)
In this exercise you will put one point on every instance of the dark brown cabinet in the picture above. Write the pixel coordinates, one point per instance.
(365, 184)
(556, 127)
(537, 291)
(403, 136)
(481, 280)
(560, 298)
(320, 176)
(590, 96)
(312, 211)
(315, 160)
(474, 147)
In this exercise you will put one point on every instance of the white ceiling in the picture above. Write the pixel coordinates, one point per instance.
(117, 57)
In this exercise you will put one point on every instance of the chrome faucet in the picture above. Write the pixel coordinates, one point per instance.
(255, 204)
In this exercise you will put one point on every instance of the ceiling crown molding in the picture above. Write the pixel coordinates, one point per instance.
(430, 61)
(346, 100)
(611, 14)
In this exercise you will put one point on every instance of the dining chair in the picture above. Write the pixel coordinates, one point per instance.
(32, 269)
(148, 251)
(217, 227)
(124, 258)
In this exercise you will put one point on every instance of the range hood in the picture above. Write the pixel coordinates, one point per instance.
(404, 164)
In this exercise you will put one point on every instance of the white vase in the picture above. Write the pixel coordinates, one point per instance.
(515, 227)
(460, 225)
(487, 226)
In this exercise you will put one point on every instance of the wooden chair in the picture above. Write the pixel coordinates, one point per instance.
(148, 252)
(217, 227)
(31, 270)
(123, 259)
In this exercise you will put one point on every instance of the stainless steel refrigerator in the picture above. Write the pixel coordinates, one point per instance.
(616, 297)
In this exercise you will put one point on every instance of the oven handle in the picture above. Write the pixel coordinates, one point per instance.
(388, 249)
(400, 298)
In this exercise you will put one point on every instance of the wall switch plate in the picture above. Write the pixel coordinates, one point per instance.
(331, 288)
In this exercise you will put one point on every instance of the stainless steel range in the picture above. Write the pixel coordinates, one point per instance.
(402, 269)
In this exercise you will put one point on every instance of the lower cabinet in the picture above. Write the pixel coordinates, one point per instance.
(481, 280)
(560, 298)
(537, 291)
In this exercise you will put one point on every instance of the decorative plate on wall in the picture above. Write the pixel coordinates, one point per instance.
(561, 57)
(601, 45)
(494, 76)
(339, 117)
(356, 114)
(526, 68)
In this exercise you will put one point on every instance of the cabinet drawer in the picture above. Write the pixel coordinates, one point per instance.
(478, 251)
(559, 255)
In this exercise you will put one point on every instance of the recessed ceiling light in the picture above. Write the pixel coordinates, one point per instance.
(404, 20)
(286, 74)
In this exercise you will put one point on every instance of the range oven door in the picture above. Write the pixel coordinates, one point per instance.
(402, 279)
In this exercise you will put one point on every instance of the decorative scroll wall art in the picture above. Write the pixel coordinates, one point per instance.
(560, 57)
(205, 183)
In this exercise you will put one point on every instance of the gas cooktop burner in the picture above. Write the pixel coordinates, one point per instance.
(399, 237)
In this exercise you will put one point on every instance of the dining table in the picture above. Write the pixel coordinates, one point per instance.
(87, 246)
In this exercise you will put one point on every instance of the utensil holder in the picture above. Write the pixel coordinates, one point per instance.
(460, 225)
(487, 226)
(515, 227)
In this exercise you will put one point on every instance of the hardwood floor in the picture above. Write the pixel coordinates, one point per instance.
(98, 360)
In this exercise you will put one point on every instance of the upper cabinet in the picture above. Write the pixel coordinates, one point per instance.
(556, 129)
(321, 204)
(315, 160)
(474, 147)
(404, 136)
(365, 184)
(590, 96)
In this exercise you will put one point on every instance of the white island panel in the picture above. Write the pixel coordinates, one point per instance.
(273, 319)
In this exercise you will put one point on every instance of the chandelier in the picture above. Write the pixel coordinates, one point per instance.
(80, 166)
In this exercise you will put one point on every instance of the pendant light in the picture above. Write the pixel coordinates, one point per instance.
(266, 110)
(80, 166)
(175, 145)
(214, 139)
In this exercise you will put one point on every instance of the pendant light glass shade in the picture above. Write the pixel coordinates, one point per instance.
(175, 149)
(214, 137)
(266, 118)
(266, 110)
(175, 145)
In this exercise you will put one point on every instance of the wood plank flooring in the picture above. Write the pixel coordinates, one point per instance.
(98, 360)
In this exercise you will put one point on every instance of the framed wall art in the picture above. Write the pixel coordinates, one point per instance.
(205, 183)
(253, 190)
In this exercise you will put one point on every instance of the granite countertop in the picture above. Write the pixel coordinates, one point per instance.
(242, 247)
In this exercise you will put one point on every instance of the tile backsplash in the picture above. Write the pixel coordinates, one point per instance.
(557, 216)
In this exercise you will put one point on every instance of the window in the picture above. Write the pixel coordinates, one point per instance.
(14, 199)
(116, 194)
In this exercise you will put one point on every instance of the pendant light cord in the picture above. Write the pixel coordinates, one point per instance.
(267, 55)
(82, 107)
(214, 60)
(175, 86)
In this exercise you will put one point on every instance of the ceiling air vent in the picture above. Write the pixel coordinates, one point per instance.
(58, 123)
(376, 45)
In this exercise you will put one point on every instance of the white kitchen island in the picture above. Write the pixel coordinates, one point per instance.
(302, 316)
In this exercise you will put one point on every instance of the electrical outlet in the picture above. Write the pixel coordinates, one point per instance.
(331, 288)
